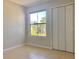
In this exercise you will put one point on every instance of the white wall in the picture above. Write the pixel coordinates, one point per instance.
(56, 29)
(14, 25)
(39, 41)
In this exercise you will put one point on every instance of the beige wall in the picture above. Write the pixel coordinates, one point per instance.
(14, 28)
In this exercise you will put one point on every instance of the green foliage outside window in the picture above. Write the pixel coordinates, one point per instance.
(38, 26)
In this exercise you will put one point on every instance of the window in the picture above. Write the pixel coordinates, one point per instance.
(38, 23)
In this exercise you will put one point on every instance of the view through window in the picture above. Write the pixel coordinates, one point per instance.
(38, 23)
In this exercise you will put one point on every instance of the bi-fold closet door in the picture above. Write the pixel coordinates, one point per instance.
(63, 34)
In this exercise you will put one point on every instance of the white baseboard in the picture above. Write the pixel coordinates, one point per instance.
(4, 50)
(38, 45)
(8, 49)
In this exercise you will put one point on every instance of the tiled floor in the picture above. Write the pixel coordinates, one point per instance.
(30, 52)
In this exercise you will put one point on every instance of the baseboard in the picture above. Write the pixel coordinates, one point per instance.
(38, 45)
(8, 49)
(63, 51)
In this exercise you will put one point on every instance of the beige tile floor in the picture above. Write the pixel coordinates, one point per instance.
(31, 52)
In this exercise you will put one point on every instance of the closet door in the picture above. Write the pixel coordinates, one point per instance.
(55, 28)
(61, 28)
(69, 28)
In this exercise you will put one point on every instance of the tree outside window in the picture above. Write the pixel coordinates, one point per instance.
(38, 23)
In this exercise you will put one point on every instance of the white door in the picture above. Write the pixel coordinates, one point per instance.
(69, 28)
(61, 28)
(55, 28)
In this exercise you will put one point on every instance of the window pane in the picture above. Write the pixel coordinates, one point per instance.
(34, 30)
(38, 23)
(41, 30)
(42, 17)
(33, 18)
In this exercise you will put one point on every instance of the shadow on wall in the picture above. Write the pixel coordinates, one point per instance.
(26, 22)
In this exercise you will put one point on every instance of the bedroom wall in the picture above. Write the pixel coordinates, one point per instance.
(39, 41)
(47, 42)
(14, 25)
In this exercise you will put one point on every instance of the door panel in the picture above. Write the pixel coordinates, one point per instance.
(61, 28)
(55, 29)
(69, 28)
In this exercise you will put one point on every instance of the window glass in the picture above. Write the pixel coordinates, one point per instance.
(33, 18)
(38, 23)
(42, 17)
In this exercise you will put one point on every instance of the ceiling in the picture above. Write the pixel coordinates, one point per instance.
(31, 2)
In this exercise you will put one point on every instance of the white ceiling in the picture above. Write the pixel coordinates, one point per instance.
(31, 2)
